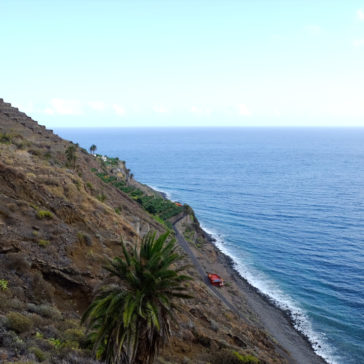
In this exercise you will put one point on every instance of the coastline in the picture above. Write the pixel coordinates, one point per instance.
(275, 320)
(270, 317)
(260, 308)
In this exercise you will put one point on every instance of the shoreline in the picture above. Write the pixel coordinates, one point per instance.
(275, 320)
(265, 308)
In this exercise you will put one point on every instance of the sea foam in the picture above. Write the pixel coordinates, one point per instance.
(275, 295)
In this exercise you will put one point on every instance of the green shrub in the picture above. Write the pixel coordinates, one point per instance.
(5, 138)
(247, 358)
(43, 243)
(3, 284)
(39, 354)
(74, 334)
(57, 343)
(90, 186)
(44, 214)
(101, 197)
(233, 357)
(18, 322)
(71, 157)
(155, 205)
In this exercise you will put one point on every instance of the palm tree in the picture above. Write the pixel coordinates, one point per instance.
(129, 319)
(93, 148)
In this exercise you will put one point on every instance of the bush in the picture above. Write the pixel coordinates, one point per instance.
(45, 310)
(84, 239)
(233, 357)
(44, 214)
(41, 290)
(18, 322)
(11, 341)
(74, 334)
(90, 186)
(3, 284)
(101, 197)
(43, 243)
(71, 156)
(5, 138)
(39, 354)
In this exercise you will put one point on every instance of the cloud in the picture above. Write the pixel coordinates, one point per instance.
(97, 105)
(360, 14)
(313, 29)
(160, 109)
(243, 110)
(358, 42)
(119, 110)
(64, 107)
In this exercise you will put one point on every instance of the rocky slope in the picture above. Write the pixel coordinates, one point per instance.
(60, 219)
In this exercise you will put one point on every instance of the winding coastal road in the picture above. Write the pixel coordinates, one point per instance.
(184, 244)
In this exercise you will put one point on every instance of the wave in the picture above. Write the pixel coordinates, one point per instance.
(167, 194)
(280, 299)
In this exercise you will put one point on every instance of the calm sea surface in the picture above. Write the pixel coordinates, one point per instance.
(286, 204)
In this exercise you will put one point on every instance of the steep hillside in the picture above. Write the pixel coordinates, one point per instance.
(63, 212)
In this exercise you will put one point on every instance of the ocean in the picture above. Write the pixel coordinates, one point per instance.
(287, 204)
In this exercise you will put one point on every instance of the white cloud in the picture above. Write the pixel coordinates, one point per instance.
(313, 29)
(119, 110)
(358, 42)
(97, 105)
(360, 14)
(64, 107)
(243, 110)
(160, 109)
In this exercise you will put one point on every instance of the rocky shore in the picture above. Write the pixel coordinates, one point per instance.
(255, 307)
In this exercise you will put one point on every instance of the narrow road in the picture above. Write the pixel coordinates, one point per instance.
(216, 291)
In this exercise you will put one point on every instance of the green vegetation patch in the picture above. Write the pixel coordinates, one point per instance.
(44, 214)
(3, 284)
(43, 243)
(18, 322)
(233, 357)
(155, 205)
(39, 353)
(5, 138)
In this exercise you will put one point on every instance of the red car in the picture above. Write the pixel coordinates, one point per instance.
(215, 280)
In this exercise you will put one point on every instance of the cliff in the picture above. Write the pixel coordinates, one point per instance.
(63, 212)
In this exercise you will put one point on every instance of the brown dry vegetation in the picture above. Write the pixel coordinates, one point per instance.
(55, 235)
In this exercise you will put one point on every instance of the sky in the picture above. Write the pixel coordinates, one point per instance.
(184, 63)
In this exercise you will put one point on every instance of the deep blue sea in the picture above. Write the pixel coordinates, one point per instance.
(287, 204)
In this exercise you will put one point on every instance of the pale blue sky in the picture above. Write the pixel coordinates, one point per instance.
(184, 63)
